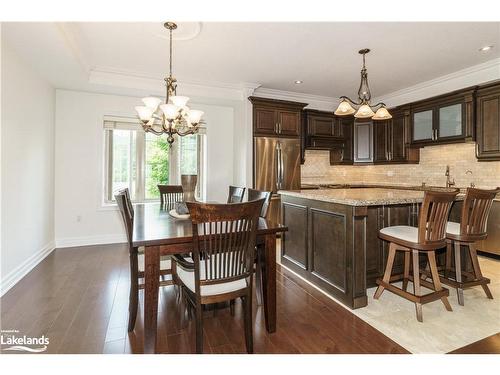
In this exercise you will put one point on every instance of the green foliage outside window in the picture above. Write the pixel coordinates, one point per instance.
(157, 164)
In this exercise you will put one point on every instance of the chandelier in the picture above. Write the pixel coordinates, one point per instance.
(173, 116)
(363, 107)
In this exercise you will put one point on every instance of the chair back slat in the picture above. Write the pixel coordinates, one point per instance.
(254, 195)
(170, 194)
(224, 239)
(475, 211)
(127, 212)
(235, 194)
(434, 216)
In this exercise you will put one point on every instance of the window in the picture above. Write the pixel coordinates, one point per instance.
(140, 161)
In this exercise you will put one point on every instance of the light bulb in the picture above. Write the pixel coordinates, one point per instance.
(144, 113)
(195, 116)
(344, 109)
(179, 101)
(151, 102)
(170, 111)
(364, 112)
(382, 114)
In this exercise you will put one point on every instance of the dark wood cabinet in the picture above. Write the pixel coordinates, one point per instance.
(279, 118)
(488, 122)
(443, 119)
(363, 141)
(390, 139)
(323, 130)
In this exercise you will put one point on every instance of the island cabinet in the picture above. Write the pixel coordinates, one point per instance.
(443, 119)
(488, 122)
(336, 246)
(279, 118)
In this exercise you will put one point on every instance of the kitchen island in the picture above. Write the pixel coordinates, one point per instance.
(332, 239)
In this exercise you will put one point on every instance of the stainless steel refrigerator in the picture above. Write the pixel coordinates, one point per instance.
(276, 167)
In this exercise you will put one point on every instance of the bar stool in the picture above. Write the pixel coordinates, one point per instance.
(472, 228)
(428, 237)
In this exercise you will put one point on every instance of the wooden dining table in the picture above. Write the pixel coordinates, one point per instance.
(162, 234)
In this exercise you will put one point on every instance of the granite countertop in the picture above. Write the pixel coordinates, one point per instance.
(360, 196)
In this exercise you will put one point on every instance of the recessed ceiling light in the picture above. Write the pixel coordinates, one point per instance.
(298, 82)
(485, 48)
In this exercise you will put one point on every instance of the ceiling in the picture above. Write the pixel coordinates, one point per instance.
(323, 55)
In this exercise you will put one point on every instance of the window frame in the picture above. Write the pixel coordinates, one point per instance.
(124, 123)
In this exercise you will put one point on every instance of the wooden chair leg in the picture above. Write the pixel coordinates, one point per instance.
(258, 277)
(431, 255)
(406, 272)
(199, 329)
(477, 270)
(458, 273)
(247, 305)
(388, 270)
(416, 284)
(134, 292)
(231, 307)
(447, 266)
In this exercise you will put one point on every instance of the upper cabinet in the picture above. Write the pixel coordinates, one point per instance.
(488, 122)
(444, 119)
(278, 118)
(390, 139)
(323, 130)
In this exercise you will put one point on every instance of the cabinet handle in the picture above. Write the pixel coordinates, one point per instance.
(279, 127)
(276, 128)
(477, 150)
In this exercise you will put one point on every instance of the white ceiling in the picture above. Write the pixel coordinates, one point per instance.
(274, 55)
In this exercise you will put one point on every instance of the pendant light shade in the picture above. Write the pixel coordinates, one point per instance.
(364, 112)
(344, 109)
(382, 114)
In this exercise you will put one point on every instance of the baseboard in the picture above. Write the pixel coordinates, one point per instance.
(13, 277)
(90, 240)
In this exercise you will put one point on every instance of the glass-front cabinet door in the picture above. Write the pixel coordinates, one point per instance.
(450, 121)
(422, 125)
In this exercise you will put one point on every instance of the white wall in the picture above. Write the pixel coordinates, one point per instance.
(27, 168)
(79, 163)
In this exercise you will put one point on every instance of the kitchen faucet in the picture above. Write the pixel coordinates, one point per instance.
(472, 184)
(449, 182)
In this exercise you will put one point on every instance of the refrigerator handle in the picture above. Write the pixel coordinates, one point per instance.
(281, 165)
(277, 165)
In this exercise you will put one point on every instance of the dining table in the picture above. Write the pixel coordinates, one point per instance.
(162, 234)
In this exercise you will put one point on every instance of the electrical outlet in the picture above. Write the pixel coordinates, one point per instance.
(390, 173)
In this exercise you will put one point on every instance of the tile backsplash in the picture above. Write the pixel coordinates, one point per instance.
(464, 168)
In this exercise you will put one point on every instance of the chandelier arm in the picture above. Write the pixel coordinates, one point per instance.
(188, 132)
(381, 104)
(350, 100)
(149, 129)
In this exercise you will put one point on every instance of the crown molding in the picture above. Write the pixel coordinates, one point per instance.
(73, 40)
(155, 85)
(473, 75)
(325, 103)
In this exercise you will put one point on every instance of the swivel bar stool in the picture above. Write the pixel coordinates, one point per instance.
(427, 238)
(472, 228)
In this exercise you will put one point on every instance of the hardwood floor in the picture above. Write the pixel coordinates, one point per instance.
(78, 298)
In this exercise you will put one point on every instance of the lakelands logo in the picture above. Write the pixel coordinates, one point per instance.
(11, 340)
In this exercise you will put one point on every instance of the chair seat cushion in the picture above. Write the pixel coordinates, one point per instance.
(403, 232)
(187, 277)
(165, 262)
(453, 228)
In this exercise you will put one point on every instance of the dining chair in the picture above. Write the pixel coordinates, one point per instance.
(235, 194)
(253, 195)
(170, 194)
(136, 257)
(221, 264)
(427, 238)
(472, 228)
